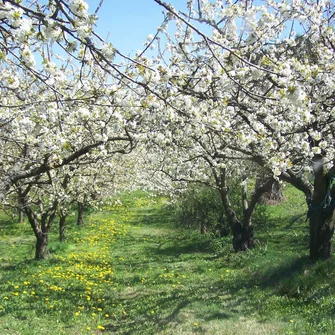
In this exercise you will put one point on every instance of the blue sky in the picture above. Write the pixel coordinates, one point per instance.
(127, 23)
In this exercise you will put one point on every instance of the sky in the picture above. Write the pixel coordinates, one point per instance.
(127, 23)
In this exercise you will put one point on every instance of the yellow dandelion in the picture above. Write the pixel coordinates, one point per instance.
(195, 324)
(101, 327)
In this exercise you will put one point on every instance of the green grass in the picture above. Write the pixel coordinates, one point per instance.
(129, 270)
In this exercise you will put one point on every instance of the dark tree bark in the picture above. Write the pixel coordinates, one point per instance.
(243, 231)
(41, 245)
(20, 214)
(62, 227)
(321, 231)
(274, 195)
(243, 237)
(230, 214)
(80, 218)
(321, 203)
(41, 228)
(321, 213)
(41, 224)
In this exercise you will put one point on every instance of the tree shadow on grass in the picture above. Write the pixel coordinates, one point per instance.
(275, 276)
(286, 233)
(177, 307)
(171, 309)
(296, 219)
(177, 249)
(154, 307)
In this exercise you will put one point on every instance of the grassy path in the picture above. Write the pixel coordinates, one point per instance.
(129, 271)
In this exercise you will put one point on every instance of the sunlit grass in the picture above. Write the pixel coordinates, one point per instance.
(129, 270)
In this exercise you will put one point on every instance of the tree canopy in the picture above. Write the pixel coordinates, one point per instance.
(231, 82)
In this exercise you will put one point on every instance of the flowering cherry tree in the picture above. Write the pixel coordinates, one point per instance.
(261, 77)
(54, 193)
(184, 157)
(61, 94)
(64, 105)
(258, 76)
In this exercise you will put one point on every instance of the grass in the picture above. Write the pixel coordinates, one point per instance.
(129, 270)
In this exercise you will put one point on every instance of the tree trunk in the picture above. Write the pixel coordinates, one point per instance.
(19, 210)
(321, 233)
(274, 195)
(80, 221)
(62, 227)
(41, 224)
(321, 216)
(233, 222)
(243, 231)
(246, 230)
(41, 246)
(20, 215)
(242, 236)
(41, 231)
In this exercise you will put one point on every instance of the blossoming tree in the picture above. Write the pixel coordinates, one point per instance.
(62, 95)
(64, 104)
(187, 156)
(261, 76)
